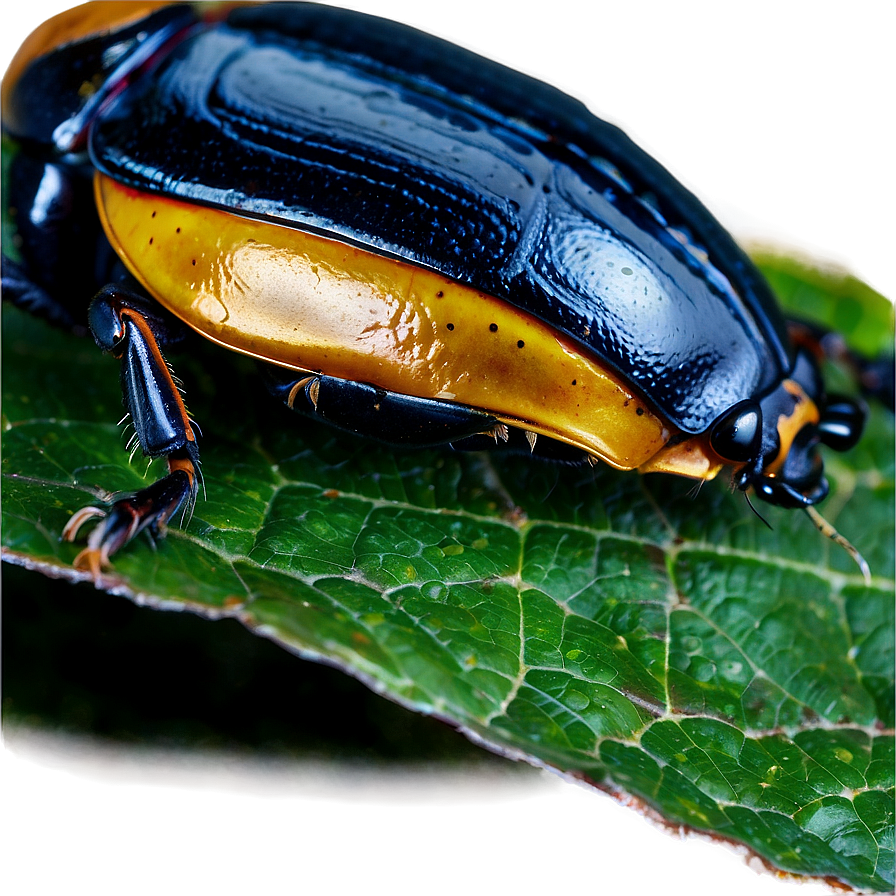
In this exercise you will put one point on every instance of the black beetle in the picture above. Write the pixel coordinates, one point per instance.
(427, 247)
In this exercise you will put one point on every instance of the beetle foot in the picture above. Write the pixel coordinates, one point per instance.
(150, 507)
(91, 558)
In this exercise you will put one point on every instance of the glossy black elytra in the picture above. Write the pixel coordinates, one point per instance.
(428, 247)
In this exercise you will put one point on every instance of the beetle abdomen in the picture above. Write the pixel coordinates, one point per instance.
(317, 305)
(370, 148)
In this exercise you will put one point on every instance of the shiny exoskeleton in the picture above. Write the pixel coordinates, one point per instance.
(427, 247)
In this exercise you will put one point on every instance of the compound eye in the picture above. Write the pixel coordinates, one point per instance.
(841, 423)
(737, 435)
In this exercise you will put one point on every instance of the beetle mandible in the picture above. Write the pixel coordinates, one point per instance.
(424, 246)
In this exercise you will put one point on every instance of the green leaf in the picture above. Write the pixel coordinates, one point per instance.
(655, 641)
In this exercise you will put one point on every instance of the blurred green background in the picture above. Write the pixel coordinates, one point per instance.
(774, 112)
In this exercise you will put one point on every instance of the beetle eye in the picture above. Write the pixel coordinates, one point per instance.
(841, 423)
(737, 434)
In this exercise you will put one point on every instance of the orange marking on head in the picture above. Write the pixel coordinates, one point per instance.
(804, 412)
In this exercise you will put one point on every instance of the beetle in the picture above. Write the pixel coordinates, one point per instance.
(423, 246)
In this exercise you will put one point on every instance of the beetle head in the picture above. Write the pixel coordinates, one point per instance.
(75, 62)
(774, 441)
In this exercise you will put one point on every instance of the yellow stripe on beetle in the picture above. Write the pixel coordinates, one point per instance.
(318, 305)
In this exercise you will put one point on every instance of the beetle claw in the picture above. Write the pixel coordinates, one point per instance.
(70, 532)
(116, 529)
(92, 561)
(150, 508)
(94, 557)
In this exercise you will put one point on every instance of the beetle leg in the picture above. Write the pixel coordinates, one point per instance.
(130, 327)
(129, 516)
(521, 441)
(389, 417)
(874, 376)
(404, 420)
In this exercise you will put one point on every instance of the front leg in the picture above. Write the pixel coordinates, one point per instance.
(131, 327)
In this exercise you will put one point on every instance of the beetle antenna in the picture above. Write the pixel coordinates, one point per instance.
(750, 503)
(827, 529)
